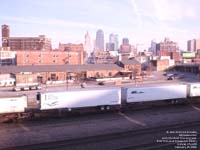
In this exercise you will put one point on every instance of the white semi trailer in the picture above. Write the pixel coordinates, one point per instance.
(154, 93)
(13, 104)
(12, 107)
(194, 89)
(105, 98)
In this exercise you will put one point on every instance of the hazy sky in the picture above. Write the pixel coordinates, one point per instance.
(68, 20)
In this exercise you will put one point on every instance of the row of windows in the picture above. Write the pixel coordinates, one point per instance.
(40, 61)
(5, 83)
(98, 74)
(27, 55)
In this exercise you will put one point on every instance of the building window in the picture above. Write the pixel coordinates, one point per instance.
(53, 77)
(26, 61)
(97, 74)
(110, 74)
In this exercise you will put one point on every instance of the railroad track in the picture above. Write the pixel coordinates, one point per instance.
(103, 140)
(70, 120)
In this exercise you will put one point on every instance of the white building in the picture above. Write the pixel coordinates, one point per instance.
(87, 46)
(7, 57)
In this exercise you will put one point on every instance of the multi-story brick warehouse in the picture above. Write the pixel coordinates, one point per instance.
(71, 47)
(24, 43)
(166, 46)
(29, 57)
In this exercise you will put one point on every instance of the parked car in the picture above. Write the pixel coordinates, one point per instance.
(83, 85)
(39, 87)
(170, 78)
(16, 88)
(101, 83)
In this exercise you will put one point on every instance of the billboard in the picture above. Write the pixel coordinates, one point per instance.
(188, 54)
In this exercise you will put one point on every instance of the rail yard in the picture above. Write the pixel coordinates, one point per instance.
(116, 129)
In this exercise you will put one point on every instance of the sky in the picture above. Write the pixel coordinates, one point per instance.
(67, 21)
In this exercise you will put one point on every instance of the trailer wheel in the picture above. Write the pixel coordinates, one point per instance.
(102, 108)
(107, 107)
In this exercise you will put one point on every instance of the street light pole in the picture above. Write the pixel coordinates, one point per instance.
(67, 79)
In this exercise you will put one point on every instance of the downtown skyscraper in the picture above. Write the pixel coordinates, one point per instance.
(87, 47)
(193, 45)
(113, 40)
(99, 46)
(87, 44)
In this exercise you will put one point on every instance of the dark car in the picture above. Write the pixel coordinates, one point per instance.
(170, 78)
(83, 85)
(101, 83)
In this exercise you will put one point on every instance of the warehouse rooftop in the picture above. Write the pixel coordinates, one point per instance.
(130, 62)
(59, 68)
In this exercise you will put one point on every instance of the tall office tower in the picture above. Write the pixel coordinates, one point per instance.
(197, 45)
(191, 45)
(5, 35)
(125, 47)
(99, 40)
(110, 46)
(125, 41)
(87, 47)
(87, 44)
(113, 40)
(153, 47)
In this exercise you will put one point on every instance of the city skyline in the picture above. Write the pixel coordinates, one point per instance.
(67, 21)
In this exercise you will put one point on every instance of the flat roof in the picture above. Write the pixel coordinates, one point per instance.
(130, 62)
(59, 68)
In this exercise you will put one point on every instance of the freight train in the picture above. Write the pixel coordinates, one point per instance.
(103, 99)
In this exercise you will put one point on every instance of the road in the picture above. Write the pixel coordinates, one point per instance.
(154, 78)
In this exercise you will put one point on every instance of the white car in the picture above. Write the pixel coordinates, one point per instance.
(25, 88)
(16, 89)
(39, 87)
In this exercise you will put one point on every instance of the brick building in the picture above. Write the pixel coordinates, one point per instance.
(33, 57)
(60, 73)
(102, 57)
(125, 47)
(166, 47)
(130, 66)
(160, 65)
(24, 43)
(71, 47)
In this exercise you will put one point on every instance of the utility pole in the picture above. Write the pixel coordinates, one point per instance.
(67, 79)
(134, 75)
